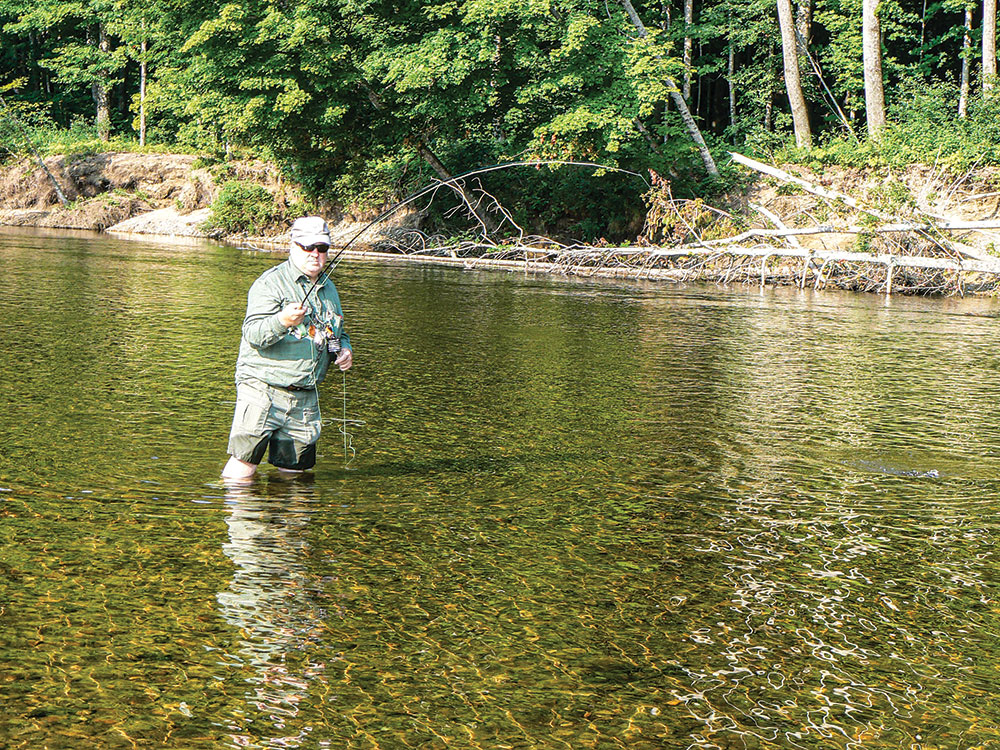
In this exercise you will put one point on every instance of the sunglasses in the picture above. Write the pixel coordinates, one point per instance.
(318, 248)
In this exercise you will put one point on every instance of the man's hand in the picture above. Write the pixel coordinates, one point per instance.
(292, 314)
(344, 360)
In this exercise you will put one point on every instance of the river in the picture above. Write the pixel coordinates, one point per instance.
(571, 514)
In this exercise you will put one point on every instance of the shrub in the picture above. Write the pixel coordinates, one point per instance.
(242, 208)
(922, 127)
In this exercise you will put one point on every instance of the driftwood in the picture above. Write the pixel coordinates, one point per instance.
(747, 263)
(954, 226)
(928, 229)
(781, 231)
(807, 186)
(925, 263)
(900, 261)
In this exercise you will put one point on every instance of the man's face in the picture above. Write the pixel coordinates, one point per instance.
(309, 260)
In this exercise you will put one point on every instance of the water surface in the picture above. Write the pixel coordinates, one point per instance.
(581, 515)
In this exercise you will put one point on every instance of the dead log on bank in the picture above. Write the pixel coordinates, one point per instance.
(757, 265)
(689, 240)
(933, 222)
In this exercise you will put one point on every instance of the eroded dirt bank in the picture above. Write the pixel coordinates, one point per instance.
(106, 189)
(148, 194)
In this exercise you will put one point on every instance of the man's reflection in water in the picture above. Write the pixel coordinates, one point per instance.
(274, 601)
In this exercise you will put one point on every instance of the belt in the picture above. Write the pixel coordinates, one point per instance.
(284, 387)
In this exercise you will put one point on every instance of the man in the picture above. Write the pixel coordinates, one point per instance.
(286, 349)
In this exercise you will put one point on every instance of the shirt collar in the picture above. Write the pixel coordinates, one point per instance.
(301, 276)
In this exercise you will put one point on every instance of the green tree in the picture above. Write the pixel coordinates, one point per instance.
(86, 54)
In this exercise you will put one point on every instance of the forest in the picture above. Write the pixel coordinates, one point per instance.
(359, 101)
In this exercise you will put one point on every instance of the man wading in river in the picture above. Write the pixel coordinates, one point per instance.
(286, 350)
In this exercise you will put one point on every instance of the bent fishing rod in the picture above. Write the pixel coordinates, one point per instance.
(332, 263)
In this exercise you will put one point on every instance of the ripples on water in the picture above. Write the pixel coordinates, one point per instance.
(581, 515)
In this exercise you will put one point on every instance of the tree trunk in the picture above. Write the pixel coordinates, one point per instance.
(701, 80)
(731, 74)
(803, 22)
(495, 82)
(489, 226)
(872, 43)
(989, 45)
(34, 78)
(102, 102)
(675, 94)
(793, 85)
(688, 47)
(769, 101)
(142, 90)
(963, 95)
(100, 92)
(923, 25)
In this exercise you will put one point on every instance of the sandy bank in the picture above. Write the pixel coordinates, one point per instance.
(164, 221)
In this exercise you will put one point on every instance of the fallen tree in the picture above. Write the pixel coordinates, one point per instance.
(918, 252)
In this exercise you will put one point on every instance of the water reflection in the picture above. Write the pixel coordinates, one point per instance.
(581, 516)
(830, 636)
(275, 603)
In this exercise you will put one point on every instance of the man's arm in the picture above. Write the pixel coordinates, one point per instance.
(267, 320)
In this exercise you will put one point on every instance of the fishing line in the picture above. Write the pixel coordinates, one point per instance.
(342, 422)
(349, 452)
(332, 263)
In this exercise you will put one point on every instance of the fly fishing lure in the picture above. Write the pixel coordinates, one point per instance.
(326, 335)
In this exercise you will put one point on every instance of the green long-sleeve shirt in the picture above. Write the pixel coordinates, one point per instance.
(268, 350)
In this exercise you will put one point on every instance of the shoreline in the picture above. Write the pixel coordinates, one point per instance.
(774, 267)
(160, 225)
(763, 241)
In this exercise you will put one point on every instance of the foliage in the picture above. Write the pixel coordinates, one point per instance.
(350, 96)
(18, 121)
(922, 129)
(242, 208)
(670, 221)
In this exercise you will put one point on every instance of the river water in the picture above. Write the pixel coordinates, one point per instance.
(581, 514)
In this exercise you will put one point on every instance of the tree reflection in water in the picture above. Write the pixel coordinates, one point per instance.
(274, 601)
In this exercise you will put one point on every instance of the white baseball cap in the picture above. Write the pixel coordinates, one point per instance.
(310, 230)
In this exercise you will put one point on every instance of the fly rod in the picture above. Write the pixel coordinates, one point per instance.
(331, 264)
